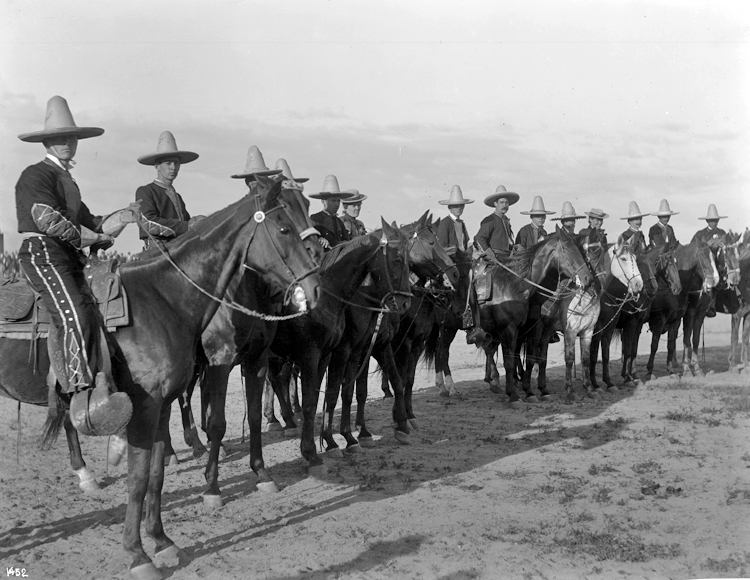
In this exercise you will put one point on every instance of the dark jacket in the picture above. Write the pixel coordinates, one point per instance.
(707, 235)
(661, 235)
(157, 207)
(354, 227)
(602, 235)
(639, 240)
(495, 233)
(48, 202)
(528, 235)
(330, 227)
(447, 236)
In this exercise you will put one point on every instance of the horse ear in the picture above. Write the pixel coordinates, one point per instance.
(423, 220)
(388, 230)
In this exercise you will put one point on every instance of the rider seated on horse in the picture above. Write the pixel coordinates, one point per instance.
(633, 235)
(331, 229)
(55, 226)
(661, 233)
(712, 235)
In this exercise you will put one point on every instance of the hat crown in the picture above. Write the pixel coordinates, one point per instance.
(255, 162)
(457, 196)
(331, 184)
(597, 212)
(167, 143)
(537, 206)
(664, 206)
(286, 171)
(500, 189)
(58, 114)
(712, 213)
(634, 210)
(567, 210)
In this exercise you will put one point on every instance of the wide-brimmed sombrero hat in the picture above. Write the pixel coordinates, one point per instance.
(713, 214)
(634, 212)
(664, 210)
(537, 207)
(597, 213)
(456, 197)
(501, 192)
(59, 123)
(286, 171)
(356, 197)
(569, 213)
(167, 147)
(255, 165)
(331, 190)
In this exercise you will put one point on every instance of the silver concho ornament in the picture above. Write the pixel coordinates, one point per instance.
(259, 216)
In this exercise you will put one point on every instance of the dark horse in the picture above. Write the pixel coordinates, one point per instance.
(310, 341)
(658, 267)
(738, 353)
(540, 268)
(387, 337)
(172, 299)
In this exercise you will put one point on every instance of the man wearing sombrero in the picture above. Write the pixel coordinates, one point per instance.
(452, 232)
(633, 234)
(661, 233)
(332, 229)
(164, 212)
(352, 207)
(712, 233)
(595, 233)
(534, 232)
(55, 226)
(568, 217)
(495, 234)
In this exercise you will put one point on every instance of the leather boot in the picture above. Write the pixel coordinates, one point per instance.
(100, 411)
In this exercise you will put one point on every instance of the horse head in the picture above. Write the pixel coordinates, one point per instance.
(276, 246)
(291, 196)
(727, 256)
(707, 268)
(565, 256)
(666, 269)
(427, 258)
(391, 271)
(624, 266)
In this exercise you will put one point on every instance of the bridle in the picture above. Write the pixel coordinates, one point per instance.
(416, 237)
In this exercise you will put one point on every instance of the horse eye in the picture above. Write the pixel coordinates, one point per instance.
(284, 230)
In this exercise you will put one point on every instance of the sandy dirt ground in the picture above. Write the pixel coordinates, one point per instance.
(651, 482)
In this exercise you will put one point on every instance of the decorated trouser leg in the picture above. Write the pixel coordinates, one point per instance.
(56, 272)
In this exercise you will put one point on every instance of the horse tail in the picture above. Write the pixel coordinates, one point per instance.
(431, 345)
(54, 424)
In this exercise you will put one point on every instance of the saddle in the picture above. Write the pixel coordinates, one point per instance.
(23, 316)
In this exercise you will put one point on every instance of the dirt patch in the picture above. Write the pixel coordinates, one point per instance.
(652, 482)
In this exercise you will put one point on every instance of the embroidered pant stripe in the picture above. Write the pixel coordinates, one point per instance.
(80, 371)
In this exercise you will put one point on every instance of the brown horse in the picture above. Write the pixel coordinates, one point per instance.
(540, 268)
(173, 297)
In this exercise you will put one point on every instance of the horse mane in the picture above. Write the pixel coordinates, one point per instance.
(339, 252)
(520, 262)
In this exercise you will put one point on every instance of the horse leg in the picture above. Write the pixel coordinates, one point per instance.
(141, 434)
(214, 381)
(365, 437)
(532, 358)
(384, 356)
(657, 328)
(735, 337)
(585, 339)
(745, 339)
(491, 376)
(570, 361)
(86, 481)
(695, 358)
(633, 370)
(509, 364)
(166, 552)
(312, 369)
(541, 382)
(387, 394)
(190, 431)
(170, 457)
(255, 381)
(687, 343)
(347, 394)
(593, 357)
(269, 392)
(674, 328)
(443, 355)
(336, 368)
(606, 341)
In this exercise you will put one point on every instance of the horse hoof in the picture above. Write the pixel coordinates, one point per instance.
(170, 557)
(335, 453)
(638, 383)
(272, 427)
(116, 448)
(146, 571)
(267, 487)
(212, 500)
(171, 460)
(495, 389)
(699, 373)
(546, 397)
(356, 448)
(293, 432)
(613, 389)
(516, 405)
(628, 384)
(89, 485)
(222, 452)
(445, 393)
(366, 442)
(532, 399)
(593, 395)
(651, 377)
(387, 395)
(401, 437)
(414, 424)
(317, 470)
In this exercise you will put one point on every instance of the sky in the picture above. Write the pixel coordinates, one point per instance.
(596, 103)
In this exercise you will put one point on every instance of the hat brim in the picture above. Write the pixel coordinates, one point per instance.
(263, 173)
(80, 132)
(569, 217)
(449, 202)
(603, 216)
(718, 217)
(329, 195)
(153, 158)
(635, 217)
(357, 198)
(509, 195)
(664, 213)
(545, 212)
